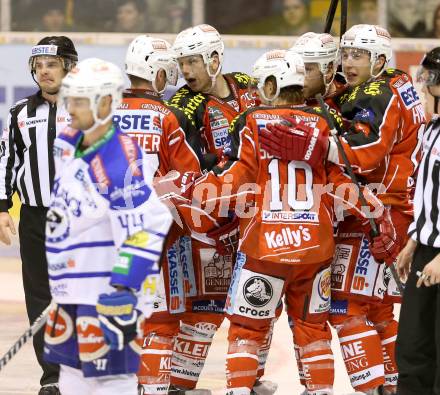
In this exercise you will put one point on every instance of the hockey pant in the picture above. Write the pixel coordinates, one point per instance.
(355, 273)
(74, 340)
(367, 335)
(254, 294)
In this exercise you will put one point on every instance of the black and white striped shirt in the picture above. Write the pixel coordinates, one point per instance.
(426, 225)
(26, 151)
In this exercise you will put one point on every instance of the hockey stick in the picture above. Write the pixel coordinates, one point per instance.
(374, 230)
(344, 14)
(330, 16)
(35, 327)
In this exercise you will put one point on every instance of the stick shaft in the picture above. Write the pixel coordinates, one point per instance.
(35, 327)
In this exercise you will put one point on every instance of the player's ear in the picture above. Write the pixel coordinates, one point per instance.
(104, 105)
(162, 75)
(214, 62)
(330, 71)
(380, 63)
(271, 85)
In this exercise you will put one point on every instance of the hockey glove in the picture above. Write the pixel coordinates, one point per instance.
(118, 318)
(176, 187)
(292, 140)
(226, 237)
(386, 246)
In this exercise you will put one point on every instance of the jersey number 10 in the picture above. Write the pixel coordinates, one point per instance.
(293, 167)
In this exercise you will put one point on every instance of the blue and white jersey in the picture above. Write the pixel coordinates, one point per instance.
(105, 224)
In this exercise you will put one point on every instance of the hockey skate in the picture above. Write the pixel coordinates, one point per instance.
(264, 387)
(49, 389)
(180, 391)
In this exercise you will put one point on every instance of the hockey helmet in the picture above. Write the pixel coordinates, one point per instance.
(287, 67)
(147, 55)
(374, 39)
(60, 46)
(429, 70)
(94, 79)
(202, 40)
(317, 48)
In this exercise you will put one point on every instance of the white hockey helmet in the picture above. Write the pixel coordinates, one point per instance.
(94, 79)
(372, 38)
(202, 40)
(287, 67)
(317, 48)
(147, 55)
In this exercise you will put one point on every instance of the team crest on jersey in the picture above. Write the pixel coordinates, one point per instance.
(57, 224)
(257, 291)
(90, 339)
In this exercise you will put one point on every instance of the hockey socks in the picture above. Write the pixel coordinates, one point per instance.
(362, 353)
(155, 366)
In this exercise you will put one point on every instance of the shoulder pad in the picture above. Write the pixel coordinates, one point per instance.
(241, 79)
(391, 72)
(191, 103)
(70, 135)
(240, 120)
(180, 114)
(117, 170)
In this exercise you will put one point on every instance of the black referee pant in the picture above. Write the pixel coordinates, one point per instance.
(35, 278)
(418, 337)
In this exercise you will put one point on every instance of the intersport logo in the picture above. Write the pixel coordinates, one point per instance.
(287, 237)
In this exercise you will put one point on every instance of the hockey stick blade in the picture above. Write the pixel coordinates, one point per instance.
(35, 327)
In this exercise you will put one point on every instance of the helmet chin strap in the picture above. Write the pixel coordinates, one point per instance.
(327, 84)
(159, 92)
(98, 122)
(374, 76)
(213, 76)
(263, 95)
(153, 82)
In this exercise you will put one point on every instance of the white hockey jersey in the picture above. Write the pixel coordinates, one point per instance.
(105, 224)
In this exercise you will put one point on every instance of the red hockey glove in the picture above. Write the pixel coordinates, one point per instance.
(386, 246)
(226, 237)
(292, 140)
(176, 187)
